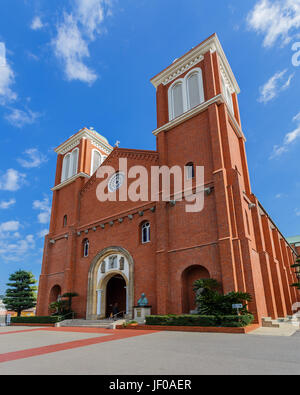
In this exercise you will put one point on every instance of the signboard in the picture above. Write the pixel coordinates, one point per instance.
(237, 306)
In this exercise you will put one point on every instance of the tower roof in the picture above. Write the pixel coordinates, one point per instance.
(193, 57)
(97, 139)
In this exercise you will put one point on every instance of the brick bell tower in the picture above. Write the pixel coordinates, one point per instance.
(77, 160)
(198, 122)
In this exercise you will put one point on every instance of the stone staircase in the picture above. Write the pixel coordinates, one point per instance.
(289, 321)
(106, 324)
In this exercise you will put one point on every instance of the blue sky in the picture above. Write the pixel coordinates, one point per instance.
(70, 64)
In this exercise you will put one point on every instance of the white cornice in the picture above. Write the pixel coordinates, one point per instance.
(189, 114)
(69, 180)
(195, 56)
(74, 140)
(219, 99)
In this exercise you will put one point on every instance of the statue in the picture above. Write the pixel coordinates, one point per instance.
(121, 262)
(103, 267)
(143, 301)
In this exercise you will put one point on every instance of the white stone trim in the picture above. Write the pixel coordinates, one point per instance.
(180, 66)
(183, 69)
(219, 99)
(74, 140)
(69, 180)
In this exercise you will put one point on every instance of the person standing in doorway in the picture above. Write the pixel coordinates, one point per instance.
(115, 310)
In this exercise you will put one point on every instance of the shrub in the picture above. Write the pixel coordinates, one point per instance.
(36, 320)
(181, 320)
(200, 320)
(235, 320)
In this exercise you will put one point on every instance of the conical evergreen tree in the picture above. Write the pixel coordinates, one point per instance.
(21, 294)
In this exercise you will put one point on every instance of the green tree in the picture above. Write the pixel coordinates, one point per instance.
(21, 294)
(70, 296)
(210, 301)
(297, 267)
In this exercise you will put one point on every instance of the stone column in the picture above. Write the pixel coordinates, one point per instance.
(127, 309)
(99, 299)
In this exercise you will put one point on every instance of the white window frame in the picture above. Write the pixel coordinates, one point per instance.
(185, 92)
(147, 226)
(92, 160)
(72, 166)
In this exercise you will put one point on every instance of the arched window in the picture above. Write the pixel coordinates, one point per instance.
(86, 246)
(70, 165)
(190, 170)
(146, 232)
(66, 167)
(96, 161)
(74, 161)
(186, 93)
(177, 106)
(195, 94)
(65, 222)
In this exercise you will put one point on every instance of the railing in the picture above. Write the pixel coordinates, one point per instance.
(67, 315)
(116, 315)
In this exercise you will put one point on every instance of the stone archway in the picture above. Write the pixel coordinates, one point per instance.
(55, 293)
(188, 277)
(110, 262)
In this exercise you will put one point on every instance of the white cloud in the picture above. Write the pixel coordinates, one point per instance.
(275, 20)
(297, 211)
(45, 210)
(280, 195)
(15, 250)
(36, 23)
(43, 233)
(74, 34)
(12, 180)
(20, 118)
(35, 159)
(14, 247)
(289, 138)
(10, 226)
(272, 88)
(71, 48)
(7, 78)
(4, 205)
(91, 14)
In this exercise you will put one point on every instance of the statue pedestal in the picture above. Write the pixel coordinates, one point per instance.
(140, 313)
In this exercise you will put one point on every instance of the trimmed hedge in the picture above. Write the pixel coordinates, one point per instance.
(36, 320)
(236, 320)
(200, 320)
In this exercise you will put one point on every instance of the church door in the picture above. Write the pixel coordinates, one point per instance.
(116, 293)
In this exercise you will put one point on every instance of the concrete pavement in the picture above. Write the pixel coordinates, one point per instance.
(128, 352)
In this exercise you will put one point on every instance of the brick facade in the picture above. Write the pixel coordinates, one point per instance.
(232, 239)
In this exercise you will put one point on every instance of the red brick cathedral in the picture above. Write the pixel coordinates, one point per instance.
(114, 251)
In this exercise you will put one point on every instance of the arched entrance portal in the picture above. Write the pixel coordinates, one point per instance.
(115, 293)
(189, 276)
(111, 280)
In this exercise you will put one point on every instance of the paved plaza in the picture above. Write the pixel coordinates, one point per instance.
(25, 350)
